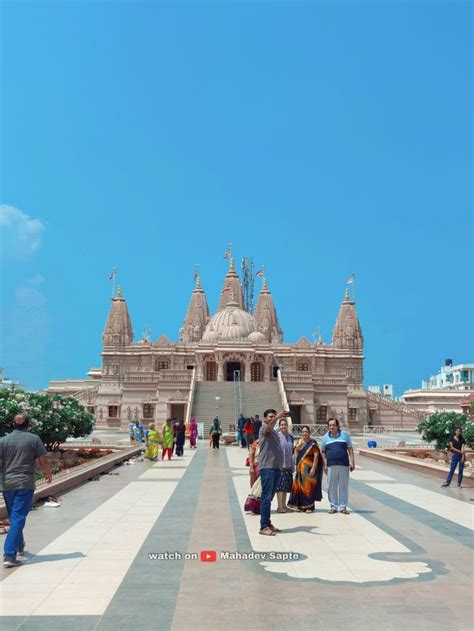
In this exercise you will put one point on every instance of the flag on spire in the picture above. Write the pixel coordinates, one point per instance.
(350, 280)
(227, 254)
(227, 287)
(112, 275)
(260, 272)
(195, 276)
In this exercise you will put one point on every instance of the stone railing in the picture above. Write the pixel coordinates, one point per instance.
(375, 397)
(142, 377)
(296, 376)
(172, 374)
(284, 399)
(190, 397)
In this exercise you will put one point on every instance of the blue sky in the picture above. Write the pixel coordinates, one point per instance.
(321, 138)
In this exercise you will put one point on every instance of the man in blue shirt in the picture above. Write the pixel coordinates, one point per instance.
(338, 457)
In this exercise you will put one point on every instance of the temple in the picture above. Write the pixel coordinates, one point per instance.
(231, 362)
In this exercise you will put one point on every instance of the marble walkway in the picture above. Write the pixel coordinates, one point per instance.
(125, 552)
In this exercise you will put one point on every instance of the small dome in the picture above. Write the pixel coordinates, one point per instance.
(257, 337)
(231, 323)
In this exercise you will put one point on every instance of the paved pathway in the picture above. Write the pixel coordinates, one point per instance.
(402, 559)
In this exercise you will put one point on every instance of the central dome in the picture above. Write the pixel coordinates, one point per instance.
(231, 323)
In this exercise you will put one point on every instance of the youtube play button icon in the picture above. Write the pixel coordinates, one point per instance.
(208, 556)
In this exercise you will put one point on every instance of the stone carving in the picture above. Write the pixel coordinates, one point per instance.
(303, 342)
(129, 414)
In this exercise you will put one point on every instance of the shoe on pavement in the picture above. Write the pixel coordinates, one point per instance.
(459, 486)
(445, 484)
(11, 562)
(51, 504)
(267, 531)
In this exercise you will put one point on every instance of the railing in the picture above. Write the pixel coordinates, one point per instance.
(295, 376)
(142, 378)
(284, 399)
(395, 405)
(237, 394)
(190, 397)
(380, 430)
(172, 374)
(315, 429)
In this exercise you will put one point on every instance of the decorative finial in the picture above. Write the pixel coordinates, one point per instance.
(119, 291)
(231, 265)
(196, 272)
(347, 296)
(317, 339)
(198, 283)
(146, 333)
(264, 284)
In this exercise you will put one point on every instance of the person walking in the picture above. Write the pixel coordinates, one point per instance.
(193, 433)
(180, 438)
(241, 430)
(306, 487)
(257, 424)
(215, 433)
(457, 446)
(249, 432)
(270, 465)
(19, 452)
(338, 457)
(286, 478)
(167, 439)
(138, 433)
(152, 443)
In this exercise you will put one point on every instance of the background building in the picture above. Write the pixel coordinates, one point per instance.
(445, 390)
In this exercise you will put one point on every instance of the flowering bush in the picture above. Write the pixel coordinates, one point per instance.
(53, 418)
(439, 428)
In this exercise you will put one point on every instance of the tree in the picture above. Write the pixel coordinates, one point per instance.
(53, 418)
(439, 428)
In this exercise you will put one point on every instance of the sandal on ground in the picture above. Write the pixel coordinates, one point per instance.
(287, 509)
(332, 511)
(281, 510)
(309, 510)
(273, 529)
(344, 511)
(267, 531)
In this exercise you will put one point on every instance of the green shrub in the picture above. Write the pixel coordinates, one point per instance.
(439, 428)
(53, 418)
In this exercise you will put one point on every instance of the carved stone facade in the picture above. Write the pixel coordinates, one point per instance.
(152, 380)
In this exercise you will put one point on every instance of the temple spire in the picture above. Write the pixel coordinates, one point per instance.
(197, 316)
(118, 329)
(232, 290)
(347, 332)
(266, 317)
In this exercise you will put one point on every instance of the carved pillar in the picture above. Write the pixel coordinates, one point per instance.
(266, 368)
(199, 368)
(248, 369)
(220, 368)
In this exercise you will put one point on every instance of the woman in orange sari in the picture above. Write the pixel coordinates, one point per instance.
(306, 488)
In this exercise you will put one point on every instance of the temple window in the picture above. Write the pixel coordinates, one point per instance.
(161, 364)
(113, 411)
(148, 410)
(256, 372)
(90, 409)
(322, 413)
(302, 367)
(352, 414)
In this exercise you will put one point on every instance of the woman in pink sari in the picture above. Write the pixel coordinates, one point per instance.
(193, 432)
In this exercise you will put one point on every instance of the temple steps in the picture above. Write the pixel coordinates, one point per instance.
(256, 398)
